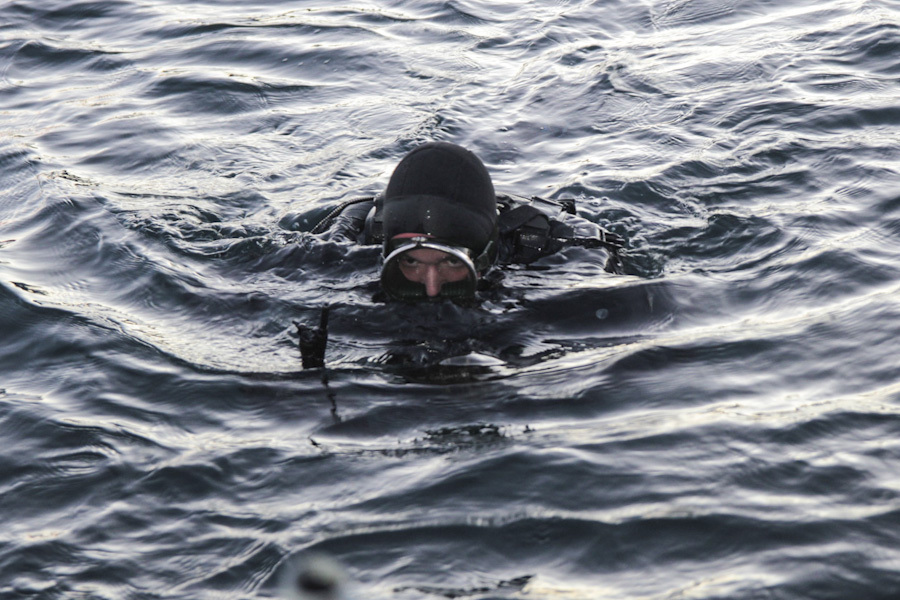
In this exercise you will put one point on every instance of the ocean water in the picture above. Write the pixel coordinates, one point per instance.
(721, 422)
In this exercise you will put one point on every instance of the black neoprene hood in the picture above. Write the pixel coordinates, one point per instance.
(442, 191)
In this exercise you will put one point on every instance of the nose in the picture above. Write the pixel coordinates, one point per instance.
(432, 281)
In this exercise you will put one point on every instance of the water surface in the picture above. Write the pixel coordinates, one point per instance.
(722, 422)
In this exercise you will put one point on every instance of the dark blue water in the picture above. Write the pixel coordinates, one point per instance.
(722, 422)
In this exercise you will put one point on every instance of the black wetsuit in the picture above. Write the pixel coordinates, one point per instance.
(442, 194)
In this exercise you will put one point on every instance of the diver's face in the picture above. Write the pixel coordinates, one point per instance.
(432, 268)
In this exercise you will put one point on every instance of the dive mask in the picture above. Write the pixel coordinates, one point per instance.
(398, 287)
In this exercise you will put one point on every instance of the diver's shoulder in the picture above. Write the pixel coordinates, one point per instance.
(533, 227)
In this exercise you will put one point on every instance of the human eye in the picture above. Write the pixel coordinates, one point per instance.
(452, 261)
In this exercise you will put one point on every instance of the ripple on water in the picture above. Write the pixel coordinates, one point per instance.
(720, 423)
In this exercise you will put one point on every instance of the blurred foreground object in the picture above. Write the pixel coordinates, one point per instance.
(314, 576)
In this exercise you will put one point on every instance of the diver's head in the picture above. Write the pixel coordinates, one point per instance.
(440, 224)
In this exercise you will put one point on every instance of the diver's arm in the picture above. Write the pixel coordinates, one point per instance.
(346, 222)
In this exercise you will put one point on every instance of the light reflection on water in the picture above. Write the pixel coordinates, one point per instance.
(719, 423)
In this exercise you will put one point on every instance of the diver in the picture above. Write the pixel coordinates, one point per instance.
(442, 229)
